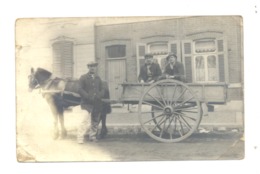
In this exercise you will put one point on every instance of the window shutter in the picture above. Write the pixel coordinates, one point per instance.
(63, 59)
(222, 60)
(220, 44)
(174, 47)
(187, 59)
(140, 52)
(68, 59)
(57, 62)
(188, 68)
(221, 68)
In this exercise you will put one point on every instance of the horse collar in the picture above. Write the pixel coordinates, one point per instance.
(47, 83)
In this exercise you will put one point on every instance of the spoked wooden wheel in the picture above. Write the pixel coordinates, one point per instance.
(169, 111)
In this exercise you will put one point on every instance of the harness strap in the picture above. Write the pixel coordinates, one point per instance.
(50, 82)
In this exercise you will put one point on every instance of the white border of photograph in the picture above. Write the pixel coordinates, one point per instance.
(11, 10)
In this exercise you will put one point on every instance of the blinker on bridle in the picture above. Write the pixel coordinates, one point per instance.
(33, 80)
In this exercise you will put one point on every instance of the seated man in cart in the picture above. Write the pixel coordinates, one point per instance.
(150, 71)
(174, 69)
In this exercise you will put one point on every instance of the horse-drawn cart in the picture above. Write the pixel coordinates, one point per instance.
(169, 110)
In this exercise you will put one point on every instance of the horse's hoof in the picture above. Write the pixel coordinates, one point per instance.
(63, 134)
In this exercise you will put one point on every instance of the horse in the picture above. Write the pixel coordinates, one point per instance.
(60, 94)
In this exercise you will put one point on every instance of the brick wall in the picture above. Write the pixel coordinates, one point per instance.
(131, 69)
(83, 54)
(235, 94)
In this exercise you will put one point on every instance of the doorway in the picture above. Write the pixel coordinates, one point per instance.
(116, 75)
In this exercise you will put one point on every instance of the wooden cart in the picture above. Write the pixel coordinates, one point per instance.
(169, 110)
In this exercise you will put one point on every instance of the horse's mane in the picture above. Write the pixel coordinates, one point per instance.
(42, 75)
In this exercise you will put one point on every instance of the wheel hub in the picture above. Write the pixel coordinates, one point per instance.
(168, 110)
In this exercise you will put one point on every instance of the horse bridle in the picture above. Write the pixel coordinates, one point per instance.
(33, 81)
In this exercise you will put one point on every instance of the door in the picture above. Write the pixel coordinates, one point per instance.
(116, 76)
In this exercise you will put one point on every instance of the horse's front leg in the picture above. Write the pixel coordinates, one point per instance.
(63, 129)
(55, 131)
(55, 114)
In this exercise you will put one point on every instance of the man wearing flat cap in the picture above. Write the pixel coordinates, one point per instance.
(150, 71)
(91, 92)
(174, 69)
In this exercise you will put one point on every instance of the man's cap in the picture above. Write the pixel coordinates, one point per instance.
(170, 55)
(92, 63)
(148, 55)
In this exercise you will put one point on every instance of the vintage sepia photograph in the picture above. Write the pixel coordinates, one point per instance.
(122, 89)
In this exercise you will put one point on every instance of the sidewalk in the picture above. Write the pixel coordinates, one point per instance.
(228, 117)
(224, 118)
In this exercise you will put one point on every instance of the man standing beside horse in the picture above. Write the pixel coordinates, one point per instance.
(91, 92)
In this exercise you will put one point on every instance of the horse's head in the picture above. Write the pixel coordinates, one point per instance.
(37, 78)
(33, 82)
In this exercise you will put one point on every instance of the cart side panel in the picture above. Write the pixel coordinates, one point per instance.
(132, 92)
(210, 93)
(162, 93)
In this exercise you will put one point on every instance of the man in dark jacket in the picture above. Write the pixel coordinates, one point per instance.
(150, 71)
(91, 92)
(174, 69)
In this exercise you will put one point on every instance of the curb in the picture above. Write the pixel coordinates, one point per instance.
(137, 129)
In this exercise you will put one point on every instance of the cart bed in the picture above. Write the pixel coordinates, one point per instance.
(210, 93)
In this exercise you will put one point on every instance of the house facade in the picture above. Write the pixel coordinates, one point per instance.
(209, 47)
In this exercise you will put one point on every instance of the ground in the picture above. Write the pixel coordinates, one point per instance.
(34, 142)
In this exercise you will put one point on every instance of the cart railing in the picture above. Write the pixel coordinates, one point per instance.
(211, 93)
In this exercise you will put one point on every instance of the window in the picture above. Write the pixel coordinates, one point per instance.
(159, 50)
(205, 60)
(212, 68)
(116, 51)
(206, 68)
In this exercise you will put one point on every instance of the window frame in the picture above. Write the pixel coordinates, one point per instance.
(205, 56)
(221, 53)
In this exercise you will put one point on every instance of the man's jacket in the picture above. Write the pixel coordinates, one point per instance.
(91, 91)
(177, 70)
(155, 70)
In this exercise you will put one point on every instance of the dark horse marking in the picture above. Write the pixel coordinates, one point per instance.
(62, 94)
